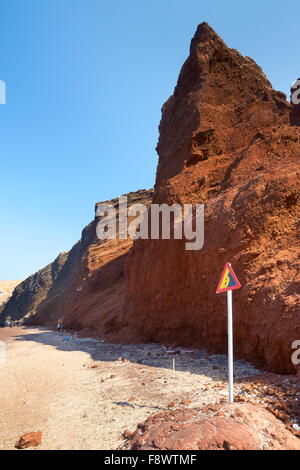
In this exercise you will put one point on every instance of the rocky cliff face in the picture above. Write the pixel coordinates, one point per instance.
(230, 141)
(226, 140)
(85, 286)
(29, 293)
(295, 100)
(6, 290)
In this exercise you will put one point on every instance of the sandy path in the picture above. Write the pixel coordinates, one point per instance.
(82, 397)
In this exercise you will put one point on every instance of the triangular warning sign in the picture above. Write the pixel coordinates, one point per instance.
(228, 280)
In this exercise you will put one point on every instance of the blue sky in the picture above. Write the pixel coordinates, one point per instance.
(86, 80)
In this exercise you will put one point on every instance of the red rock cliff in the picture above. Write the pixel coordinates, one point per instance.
(85, 286)
(226, 139)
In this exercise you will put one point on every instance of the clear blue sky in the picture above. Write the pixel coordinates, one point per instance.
(86, 80)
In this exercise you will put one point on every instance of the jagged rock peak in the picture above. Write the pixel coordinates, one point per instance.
(206, 34)
(210, 56)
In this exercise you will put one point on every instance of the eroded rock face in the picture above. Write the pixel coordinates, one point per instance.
(217, 427)
(33, 290)
(31, 439)
(85, 286)
(6, 290)
(226, 140)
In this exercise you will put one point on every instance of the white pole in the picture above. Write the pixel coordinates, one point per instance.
(230, 346)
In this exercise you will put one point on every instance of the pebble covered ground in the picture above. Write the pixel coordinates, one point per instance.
(88, 394)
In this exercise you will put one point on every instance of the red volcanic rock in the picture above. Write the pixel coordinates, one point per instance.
(280, 395)
(217, 427)
(31, 439)
(85, 286)
(230, 141)
(226, 140)
(185, 402)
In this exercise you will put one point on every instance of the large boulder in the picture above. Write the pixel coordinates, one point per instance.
(217, 427)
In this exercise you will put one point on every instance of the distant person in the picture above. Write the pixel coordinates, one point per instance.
(60, 325)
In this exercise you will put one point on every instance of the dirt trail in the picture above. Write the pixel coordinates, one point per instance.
(82, 396)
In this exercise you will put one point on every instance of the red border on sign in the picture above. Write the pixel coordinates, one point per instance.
(238, 284)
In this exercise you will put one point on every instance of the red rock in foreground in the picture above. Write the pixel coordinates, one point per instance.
(295, 97)
(217, 427)
(31, 439)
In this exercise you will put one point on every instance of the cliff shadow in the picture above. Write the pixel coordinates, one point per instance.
(153, 355)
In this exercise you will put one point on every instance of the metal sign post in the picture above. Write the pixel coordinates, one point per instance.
(228, 283)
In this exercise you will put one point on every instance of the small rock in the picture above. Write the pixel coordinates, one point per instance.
(31, 439)
(127, 434)
(223, 427)
(113, 376)
(131, 399)
(226, 445)
(240, 398)
(171, 404)
(186, 402)
(123, 359)
(200, 181)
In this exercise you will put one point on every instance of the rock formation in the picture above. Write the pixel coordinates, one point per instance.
(217, 427)
(230, 141)
(29, 293)
(226, 140)
(6, 290)
(84, 286)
